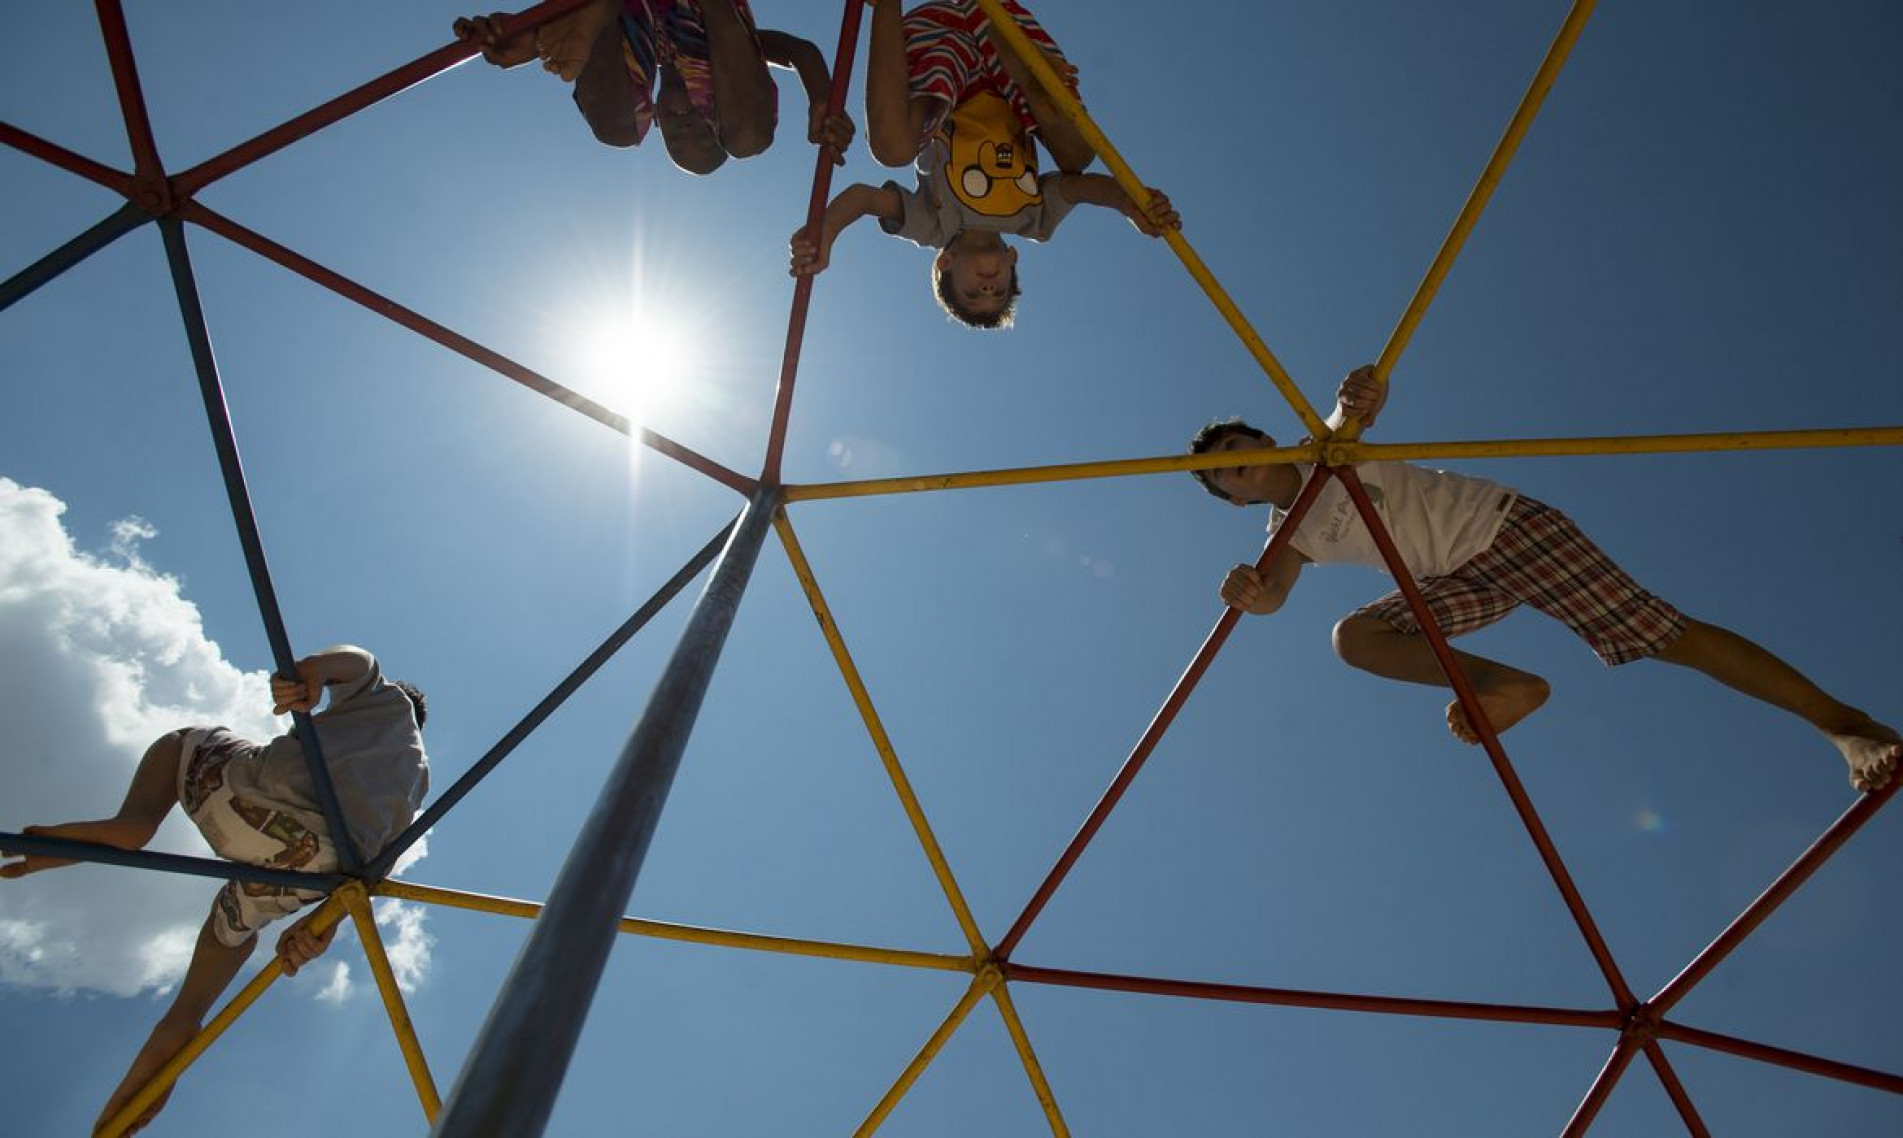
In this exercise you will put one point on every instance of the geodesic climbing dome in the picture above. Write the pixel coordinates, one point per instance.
(510, 1080)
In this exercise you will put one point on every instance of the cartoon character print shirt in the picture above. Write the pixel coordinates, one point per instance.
(1437, 520)
(978, 171)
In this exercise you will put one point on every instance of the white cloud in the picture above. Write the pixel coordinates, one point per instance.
(99, 655)
(337, 989)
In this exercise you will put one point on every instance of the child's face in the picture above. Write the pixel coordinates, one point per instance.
(1244, 485)
(978, 270)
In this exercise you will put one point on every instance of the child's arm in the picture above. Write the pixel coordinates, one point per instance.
(895, 122)
(206, 977)
(852, 203)
(804, 57)
(1263, 591)
(1066, 143)
(343, 664)
(1102, 189)
(1361, 397)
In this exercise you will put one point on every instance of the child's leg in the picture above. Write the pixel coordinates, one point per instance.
(744, 102)
(153, 791)
(894, 123)
(1507, 694)
(1871, 750)
(1060, 136)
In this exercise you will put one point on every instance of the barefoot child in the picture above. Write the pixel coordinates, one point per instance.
(255, 803)
(1478, 549)
(942, 93)
(715, 97)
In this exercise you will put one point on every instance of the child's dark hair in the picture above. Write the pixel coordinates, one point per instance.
(417, 702)
(954, 308)
(1207, 439)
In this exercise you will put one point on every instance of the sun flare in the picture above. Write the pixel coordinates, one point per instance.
(634, 362)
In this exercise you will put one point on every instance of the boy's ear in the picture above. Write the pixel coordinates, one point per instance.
(944, 258)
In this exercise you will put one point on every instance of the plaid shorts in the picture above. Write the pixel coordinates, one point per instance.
(949, 58)
(244, 831)
(1542, 559)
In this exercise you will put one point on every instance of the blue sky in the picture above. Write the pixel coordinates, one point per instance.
(1699, 234)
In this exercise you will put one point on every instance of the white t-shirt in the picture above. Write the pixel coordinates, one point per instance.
(1437, 520)
(374, 752)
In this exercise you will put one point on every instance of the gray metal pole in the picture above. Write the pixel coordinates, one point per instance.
(507, 1087)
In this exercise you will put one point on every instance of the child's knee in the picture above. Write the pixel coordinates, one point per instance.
(747, 137)
(168, 750)
(1357, 638)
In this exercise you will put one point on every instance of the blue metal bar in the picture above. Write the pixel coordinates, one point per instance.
(170, 863)
(509, 1084)
(379, 866)
(115, 225)
(233, 469)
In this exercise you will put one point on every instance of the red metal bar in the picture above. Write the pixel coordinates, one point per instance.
(1668, 1078)
(1782, 1057)
(803, 290)
(1601, 1088)
(1848, 823)
(350, 102)
(1470, 701)
(65, 159)
(1299, 998)
(462, 345)
(1153, 734)
(125, 77)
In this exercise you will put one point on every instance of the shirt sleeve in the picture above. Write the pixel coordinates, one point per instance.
(918, 220)
(1053, 208)
(370, 681)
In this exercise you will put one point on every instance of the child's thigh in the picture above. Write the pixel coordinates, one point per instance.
(1458, 604)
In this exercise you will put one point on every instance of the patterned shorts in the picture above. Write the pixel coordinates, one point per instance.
(949, 58)
(673, 33)
(243, 831)
(1542, 559)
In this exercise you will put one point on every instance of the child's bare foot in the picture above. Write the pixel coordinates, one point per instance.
(123, 833)
(1505, 702)
(1872, 751)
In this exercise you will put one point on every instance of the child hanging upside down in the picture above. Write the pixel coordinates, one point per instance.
(944, 94)
(255, 803)
(1477, 550)
(715, 97)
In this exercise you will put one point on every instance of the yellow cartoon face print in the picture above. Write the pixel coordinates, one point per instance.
(993, 166)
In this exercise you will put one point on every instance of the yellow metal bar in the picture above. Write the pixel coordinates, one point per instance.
(1624, 444)
(883, 744)
(1064, 472)
(358, 903)
(986, 979)
(1483, 190)
(509, 907)
(331, 912)
(1014, 37)
(1001, 995)
(1338, 453)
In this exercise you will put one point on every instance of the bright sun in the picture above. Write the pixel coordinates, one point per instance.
(634, 362)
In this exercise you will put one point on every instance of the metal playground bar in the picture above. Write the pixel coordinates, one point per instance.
(509, 1082)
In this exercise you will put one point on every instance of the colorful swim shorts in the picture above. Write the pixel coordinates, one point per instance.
(673, 34)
